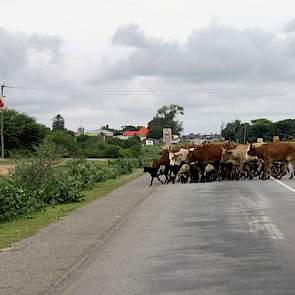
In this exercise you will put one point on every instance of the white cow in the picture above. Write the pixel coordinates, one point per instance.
(176, 158)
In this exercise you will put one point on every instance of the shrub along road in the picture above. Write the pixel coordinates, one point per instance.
(28, 224)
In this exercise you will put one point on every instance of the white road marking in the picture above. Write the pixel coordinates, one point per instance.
(256, 221)
(283, 184)
(261, 224)
(257, 225)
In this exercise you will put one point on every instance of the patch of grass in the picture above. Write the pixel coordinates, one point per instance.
(27, 225)
(101, 162)
(7, 161)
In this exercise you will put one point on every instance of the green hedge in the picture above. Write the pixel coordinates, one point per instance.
(40, 182)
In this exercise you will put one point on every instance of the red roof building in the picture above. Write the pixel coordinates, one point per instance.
(142, 132)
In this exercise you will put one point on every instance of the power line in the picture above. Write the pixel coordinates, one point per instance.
(252, 87)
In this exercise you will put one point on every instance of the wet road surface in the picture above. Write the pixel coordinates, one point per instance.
(231, 237)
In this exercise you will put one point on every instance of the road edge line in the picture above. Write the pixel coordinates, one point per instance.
(283, 184)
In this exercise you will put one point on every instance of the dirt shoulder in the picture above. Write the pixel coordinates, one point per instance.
(5, 169)
(40, 263)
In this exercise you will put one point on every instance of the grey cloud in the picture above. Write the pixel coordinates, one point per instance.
(217, 52)
(16, 50)
(47, 43)
(35, 60)
(130, 35)
(290, 26)
(12, 53)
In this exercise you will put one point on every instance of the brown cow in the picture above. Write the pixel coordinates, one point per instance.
(283, 152)
(207, 153)
(163, 161)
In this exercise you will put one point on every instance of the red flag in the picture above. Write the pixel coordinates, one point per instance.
(1, 103)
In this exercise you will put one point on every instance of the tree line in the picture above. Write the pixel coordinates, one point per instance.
(259, 128)
(165, 117)
(23, 134)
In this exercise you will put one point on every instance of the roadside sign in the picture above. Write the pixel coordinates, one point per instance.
(259, 140)
(167, 135)
(149, 142)
(276, 138)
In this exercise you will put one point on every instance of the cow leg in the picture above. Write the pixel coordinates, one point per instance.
(291, 168)
(152, 180)
(167, 168)
(237, 172)
(246, 170)
(166, 178)
(169, 175)
(267, 170)
(250, 173)
(282, 169)
(261, 170)
(219, 173)
(285, 168)
(159, 179)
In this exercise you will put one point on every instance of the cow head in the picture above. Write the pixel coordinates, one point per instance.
(252, 151)
(226, 156)
(172, 159)
(164, 158)
(191, 156)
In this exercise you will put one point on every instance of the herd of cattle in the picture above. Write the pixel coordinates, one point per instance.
(223, 161)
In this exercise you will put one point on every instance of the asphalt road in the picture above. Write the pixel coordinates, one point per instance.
(221, 238)
(214, 238)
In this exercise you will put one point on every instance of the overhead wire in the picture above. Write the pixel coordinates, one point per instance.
(256, 86)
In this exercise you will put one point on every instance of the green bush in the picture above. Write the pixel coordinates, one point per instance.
(22, 132)
(42, 180)
(14, 200)
(64, 141)
(102, 150)
(93, 147)
(123, 166)
(129, 148)
(111, 151)
(62, 188)
(127, 153)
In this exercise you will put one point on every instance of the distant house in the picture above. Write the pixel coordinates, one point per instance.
(142, 133)
(106, 133)
(202, 138)
(101, 133)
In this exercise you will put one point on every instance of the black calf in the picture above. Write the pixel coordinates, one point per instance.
(153, 172)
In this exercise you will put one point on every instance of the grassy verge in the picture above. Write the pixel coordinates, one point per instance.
(7, 162)
(27, 225)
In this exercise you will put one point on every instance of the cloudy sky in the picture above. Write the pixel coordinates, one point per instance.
(100, 62)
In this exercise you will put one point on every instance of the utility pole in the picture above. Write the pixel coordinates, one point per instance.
(222, 127)
(2, 123)
(245, 132)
